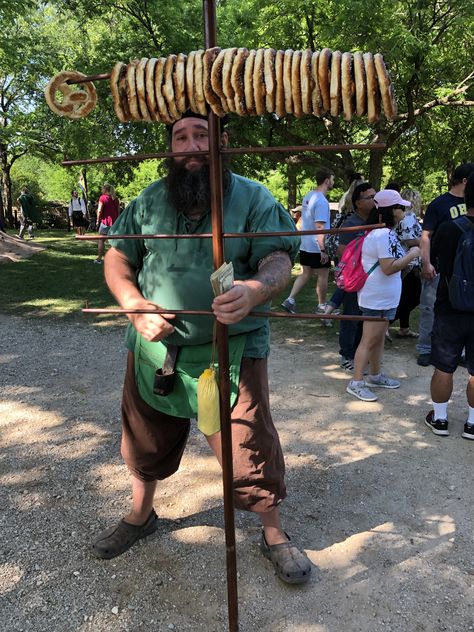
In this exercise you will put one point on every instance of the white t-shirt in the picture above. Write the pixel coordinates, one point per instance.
(75, 205)
(314, 208)
(381, 291)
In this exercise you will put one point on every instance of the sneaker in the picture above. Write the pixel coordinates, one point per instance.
(98, 261)
(361, 391)
(424, 359)
(438, 426)
(326, 323)
(388, 337)
(382, 382)
(347, 364)
(468, 431)
(321, 308)
(289, 306)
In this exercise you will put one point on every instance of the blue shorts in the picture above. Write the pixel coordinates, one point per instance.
(451, 334)
(381, 313)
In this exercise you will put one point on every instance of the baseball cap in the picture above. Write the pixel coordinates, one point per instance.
(389, 197)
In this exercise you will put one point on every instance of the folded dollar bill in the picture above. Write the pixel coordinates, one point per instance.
(222, 279)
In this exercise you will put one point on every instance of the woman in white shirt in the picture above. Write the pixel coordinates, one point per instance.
(381, 292)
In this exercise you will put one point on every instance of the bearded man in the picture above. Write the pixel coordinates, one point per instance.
(174, 274)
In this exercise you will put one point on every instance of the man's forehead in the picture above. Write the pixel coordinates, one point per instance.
(189, 123)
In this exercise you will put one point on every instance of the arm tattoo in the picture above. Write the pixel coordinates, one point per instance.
(274, 273)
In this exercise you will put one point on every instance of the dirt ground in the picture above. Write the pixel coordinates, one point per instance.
(13, 249)
(382, 507)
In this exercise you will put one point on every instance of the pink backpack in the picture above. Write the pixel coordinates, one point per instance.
(349, 274)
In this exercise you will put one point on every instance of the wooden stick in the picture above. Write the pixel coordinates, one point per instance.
(217, 218)
(205, 312)
(236, 150)
(283, 233)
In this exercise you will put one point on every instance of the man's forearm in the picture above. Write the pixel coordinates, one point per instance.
(120, 277)
(274, 274)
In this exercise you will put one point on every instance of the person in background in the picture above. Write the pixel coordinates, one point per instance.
(314, 260)
(345, 206)
(453, 329)
(383, 259)
(27, 206)
(107, 212)
(393, 185)
(409, 233)
(350, 330)
(78, 213)
(445, 207)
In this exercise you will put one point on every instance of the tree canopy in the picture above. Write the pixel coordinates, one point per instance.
(427, 44)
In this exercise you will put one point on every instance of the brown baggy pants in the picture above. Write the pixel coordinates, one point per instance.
(153, 442)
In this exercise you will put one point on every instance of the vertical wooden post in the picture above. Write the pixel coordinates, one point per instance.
(215, 171)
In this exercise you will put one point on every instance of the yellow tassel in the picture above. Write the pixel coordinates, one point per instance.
(209, 420)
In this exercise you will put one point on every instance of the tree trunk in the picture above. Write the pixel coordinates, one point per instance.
(376, 166)
(292, 187)
(7, 192)
(2, 213)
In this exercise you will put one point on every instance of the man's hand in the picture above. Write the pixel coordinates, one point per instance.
(324, 257)
(152, 327)
(428, 271)
(235, 304)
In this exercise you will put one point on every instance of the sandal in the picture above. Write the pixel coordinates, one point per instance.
(407, 334)
(291, 565)
(116, 540)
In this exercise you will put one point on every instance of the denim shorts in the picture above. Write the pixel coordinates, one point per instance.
(382, 313)
(104, 229)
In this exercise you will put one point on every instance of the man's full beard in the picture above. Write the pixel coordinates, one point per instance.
(189, 191)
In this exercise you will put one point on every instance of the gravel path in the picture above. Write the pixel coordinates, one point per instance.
(381, 505)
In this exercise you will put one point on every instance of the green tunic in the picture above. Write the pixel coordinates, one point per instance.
(174, 273)
(28, 207)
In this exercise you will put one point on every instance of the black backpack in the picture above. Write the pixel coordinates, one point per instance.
(461, 284)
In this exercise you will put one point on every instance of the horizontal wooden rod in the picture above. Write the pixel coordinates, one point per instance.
(229, 151)
(204, 312)
(284, 233)
(101, 77)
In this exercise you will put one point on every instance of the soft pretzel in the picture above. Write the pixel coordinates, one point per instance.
(150, 67)
(280, 90)
(287, 63)
(162, 108)
(316, 100)
(199, 82)
(212, 98)
(347, 86)
(140, 84)
(335, 84)
(324, 77)
(296, 83)
(306, 82)
(386, 88)
(248, 83)
(373, 93)
(360, 84)
(227, 88)
(259, 82)
(77, 101)
(116, 77)
(269, 76)
(237, 81)
(179, 83)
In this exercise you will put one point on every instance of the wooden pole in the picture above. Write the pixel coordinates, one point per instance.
(215, 173)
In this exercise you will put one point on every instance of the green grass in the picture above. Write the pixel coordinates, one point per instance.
(57, 282)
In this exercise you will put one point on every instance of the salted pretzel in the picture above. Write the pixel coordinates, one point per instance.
(77, 100)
